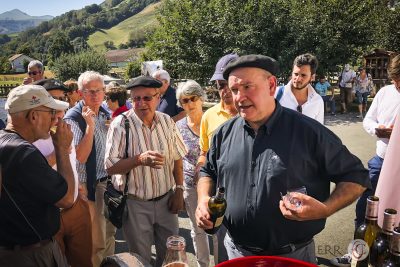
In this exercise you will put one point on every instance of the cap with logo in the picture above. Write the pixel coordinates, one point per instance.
(30, 96)
(221, 65)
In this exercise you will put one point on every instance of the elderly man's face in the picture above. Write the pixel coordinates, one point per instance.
(93, 93)
(253, 92)
(145, 101)
(35, 73)
(224, 93)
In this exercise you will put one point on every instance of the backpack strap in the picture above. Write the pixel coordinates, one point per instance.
(280, 93)
(126, 149)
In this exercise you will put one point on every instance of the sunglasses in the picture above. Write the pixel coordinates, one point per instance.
(34, 73)
(299, 109)
(61, 98)
(146, 98)
(186, 100)
(221, 85)
(52, 111)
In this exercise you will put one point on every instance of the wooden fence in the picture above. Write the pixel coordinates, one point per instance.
(5, 89)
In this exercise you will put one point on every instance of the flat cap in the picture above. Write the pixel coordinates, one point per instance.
(143, 81)
(256, 61)
(52, 84)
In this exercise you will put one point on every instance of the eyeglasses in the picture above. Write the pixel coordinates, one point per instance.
(299, 109)
(221, 85)
(34, 73)
(146, 98)
(93, 92)
(61, 98)
(186, 100)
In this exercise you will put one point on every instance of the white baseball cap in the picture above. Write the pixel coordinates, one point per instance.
(30, 96)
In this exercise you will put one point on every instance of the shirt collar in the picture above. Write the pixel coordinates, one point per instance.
(310, 91)
(137, 120)
(269, 125)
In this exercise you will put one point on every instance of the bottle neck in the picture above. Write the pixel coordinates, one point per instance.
(219, 195)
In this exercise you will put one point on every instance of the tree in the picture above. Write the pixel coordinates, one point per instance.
(193, 34)
(69, 66)
(133, 70)
(59, 44)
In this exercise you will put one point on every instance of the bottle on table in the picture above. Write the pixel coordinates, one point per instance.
(176, 252)
(380, 248)
(393, 259)
(216, 206)
(369, 230)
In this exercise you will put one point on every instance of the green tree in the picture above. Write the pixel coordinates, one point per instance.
(133, 70)
(59, 44)
(69, 66)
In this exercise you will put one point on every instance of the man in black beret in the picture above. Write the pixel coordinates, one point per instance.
(264, 154)
(154, 166)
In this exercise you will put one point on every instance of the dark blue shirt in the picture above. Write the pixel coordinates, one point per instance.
(168, 103)
(289, 151)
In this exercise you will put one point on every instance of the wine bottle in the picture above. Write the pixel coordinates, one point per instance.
(394, 252)
(369, 229)
(176, 252)
(216, 206)
(380, 248)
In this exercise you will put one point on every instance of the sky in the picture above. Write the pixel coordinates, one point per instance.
(45, 7)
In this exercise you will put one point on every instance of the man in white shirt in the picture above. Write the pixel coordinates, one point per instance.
(298, 94)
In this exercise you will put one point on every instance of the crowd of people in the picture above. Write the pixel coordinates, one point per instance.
(63, 142)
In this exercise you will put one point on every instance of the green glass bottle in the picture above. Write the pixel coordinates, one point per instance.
(394, 255)
(380, 248)
(216, 206)
(369, 230)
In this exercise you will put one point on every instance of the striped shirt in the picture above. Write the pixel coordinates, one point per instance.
(100, 134)
(163, 135)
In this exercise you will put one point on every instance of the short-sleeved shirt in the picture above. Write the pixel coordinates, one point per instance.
(100, 134)
(313, 107)
(289, 151)
(190, 159)
(322, 88)
(34, 186)
(211, 120)
(168, 103)
(347, 77)
(163, 136)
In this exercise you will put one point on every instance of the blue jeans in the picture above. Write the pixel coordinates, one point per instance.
(331, 103)
(374, 166)
(362, 98)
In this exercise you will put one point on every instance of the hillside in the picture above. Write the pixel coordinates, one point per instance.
(16, 21)
(132, 27)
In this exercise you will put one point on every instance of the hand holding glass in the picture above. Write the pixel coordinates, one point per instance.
(290, 200)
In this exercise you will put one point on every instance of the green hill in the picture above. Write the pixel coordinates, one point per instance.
(132, 28)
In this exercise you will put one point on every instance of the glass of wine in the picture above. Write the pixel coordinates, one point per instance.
(290, 200)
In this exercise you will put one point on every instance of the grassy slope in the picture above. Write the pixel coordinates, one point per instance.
(120, 33)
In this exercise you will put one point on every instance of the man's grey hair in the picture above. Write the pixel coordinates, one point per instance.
(189, 88)
(36, 63)
(161, 75)
(89, 76)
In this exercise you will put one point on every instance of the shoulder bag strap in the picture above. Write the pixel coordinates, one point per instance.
(126, 150)
(280, 93)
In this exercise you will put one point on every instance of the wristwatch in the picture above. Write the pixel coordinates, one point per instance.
(180, 187)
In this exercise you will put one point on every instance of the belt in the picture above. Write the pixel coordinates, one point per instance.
(289, 248)
(130, 196)
(42, 243)
(101, 180)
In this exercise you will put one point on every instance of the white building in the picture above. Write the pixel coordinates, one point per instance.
(17, 62)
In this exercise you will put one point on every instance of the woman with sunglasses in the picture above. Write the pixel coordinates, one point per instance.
(190, 97)
(116, 100)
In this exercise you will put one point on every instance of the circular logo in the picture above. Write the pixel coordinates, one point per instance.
(358, 249)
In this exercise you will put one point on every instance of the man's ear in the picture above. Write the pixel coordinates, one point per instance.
(272, 85)
(313, 77)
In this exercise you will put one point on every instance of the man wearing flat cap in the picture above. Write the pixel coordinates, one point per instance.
(298, 94)
(154, 166)
(32, 192)
(269, 150)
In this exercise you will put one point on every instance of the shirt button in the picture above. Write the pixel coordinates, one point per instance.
(253, 185)
(251, 207)
(253, 163)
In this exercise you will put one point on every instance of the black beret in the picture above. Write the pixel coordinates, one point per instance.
(257, 61)
(52, 84)
(143, 81)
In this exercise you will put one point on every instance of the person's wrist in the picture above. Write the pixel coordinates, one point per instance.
(180, 188)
